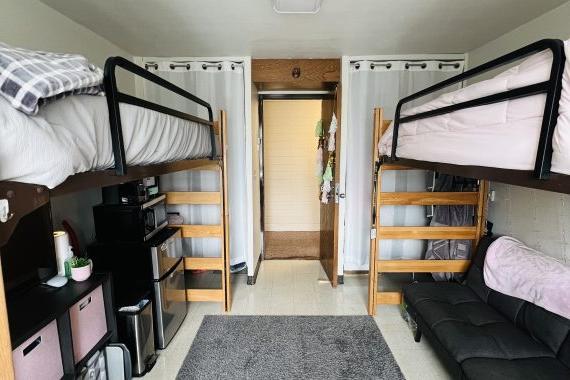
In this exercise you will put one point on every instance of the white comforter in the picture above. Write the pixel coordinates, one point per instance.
(502, 135)
(72, 135)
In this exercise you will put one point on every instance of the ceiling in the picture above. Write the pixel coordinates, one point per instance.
(342, 27)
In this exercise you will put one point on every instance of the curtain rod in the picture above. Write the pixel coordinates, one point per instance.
(407, 60)
(295, 92)
(187, 65)
(421, 64)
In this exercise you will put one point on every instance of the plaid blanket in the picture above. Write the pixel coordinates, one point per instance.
(30, 78)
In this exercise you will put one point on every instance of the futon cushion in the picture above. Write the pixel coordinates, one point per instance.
(514, 269)
(467, 326)
(519, 369)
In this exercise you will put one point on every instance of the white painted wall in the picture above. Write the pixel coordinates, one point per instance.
(539, 218)
(33, 25)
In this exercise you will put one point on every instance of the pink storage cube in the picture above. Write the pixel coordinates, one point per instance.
(40, 356)
(88, 323)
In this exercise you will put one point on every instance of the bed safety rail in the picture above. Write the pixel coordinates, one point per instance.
(115, 97)
(552, 88)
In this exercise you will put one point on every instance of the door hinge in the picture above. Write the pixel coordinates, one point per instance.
(372, 233)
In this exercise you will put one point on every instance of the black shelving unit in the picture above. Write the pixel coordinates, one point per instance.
(32, 310)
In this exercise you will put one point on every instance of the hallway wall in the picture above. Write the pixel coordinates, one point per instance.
(291, 186)
(291, 212)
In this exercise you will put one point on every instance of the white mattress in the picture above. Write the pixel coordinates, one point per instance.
(502, 135)
(72, 135)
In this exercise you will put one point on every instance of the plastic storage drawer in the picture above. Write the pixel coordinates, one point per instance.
(40, 356)
(88, 323)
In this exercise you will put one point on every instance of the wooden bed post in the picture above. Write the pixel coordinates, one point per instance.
(481, 211)
(225, 214)
(6, 366)
(375, 214)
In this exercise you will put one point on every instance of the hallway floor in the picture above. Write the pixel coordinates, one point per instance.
(292, 287)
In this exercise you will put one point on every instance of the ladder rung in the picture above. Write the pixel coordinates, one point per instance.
(205, 263)
(200, 231)
(388, 298)
(205, 295)
(396, 167)
(175, 295)
(429, 198)
(193, 197)
(421, 266)
(465, 233)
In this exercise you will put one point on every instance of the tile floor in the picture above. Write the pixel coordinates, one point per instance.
(276, 293)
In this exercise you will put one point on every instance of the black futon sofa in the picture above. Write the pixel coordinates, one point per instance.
(483, 334)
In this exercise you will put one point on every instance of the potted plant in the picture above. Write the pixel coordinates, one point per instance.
(80, 268)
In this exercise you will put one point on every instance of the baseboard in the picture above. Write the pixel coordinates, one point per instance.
(251, 280)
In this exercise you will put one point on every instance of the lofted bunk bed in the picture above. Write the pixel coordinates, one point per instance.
(90, 150)
(510, 128)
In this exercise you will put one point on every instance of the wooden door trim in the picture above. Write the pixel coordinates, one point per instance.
(6, 364)
(312, 71)
(330, 263)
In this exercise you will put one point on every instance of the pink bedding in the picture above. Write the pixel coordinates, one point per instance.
(519, 271)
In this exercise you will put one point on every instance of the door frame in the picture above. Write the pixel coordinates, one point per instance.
(277, 95)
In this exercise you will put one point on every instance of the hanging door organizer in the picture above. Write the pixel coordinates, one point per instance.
(379, 266)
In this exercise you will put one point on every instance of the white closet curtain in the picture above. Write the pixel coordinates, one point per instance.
(382, 84)
(222, 85)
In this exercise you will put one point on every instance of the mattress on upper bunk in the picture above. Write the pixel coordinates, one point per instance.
(502, 135)
(72, 135)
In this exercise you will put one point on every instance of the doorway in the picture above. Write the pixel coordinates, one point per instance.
(291, 215)
(291, 204)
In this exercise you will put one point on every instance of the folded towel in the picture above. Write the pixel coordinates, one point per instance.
(519, 271)
(30, 78)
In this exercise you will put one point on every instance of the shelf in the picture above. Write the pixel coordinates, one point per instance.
(30, 311)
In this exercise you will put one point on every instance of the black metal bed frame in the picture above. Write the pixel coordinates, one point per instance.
(115, 97)
(552, 88)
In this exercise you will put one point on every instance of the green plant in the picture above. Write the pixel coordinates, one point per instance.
(79, 262)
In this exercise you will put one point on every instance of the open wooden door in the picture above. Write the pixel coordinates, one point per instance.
(328, 249)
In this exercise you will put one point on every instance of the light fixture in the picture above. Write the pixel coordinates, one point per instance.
(297, 6)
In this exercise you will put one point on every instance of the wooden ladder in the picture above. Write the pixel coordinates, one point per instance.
(221, 231)
(379, 232)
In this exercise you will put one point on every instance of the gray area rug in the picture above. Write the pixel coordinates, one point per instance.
(289, 347)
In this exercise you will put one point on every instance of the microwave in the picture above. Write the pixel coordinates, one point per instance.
(130, 222)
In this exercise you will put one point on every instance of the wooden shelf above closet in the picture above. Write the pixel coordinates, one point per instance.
(295, 74)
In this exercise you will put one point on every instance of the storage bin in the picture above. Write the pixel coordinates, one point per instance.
(88, 323)
(39, 357)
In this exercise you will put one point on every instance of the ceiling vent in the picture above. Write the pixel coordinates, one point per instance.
(297, 6)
